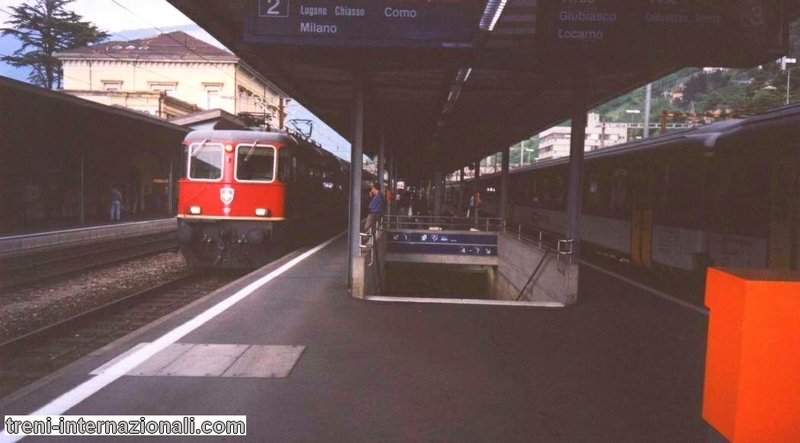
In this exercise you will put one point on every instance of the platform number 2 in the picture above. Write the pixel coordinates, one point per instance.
(273, 8)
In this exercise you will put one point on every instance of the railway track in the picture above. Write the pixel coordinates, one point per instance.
(17, 271)
(28, 358)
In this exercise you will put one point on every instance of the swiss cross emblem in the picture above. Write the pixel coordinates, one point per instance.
(226, 195)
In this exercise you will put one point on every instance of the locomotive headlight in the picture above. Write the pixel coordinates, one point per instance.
(229, 148)
(195, 210)
(262, 212)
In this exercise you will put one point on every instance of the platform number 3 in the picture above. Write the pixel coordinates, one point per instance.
(273, 8)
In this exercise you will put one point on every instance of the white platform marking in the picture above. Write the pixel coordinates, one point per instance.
(118, 359)
(663, 295)
(464, 301)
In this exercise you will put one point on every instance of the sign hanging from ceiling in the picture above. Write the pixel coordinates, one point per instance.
(686, 31)
(400, 23)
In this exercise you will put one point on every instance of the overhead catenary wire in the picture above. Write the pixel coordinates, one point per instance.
(136, 63)
(168, 35)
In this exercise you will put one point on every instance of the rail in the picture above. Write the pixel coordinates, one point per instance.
(443, 223)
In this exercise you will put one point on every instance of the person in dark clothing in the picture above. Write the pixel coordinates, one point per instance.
(376, 208)
(116, 203)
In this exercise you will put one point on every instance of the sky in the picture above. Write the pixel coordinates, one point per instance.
(152, 14)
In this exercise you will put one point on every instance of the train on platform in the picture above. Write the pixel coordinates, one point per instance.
(726, 194)
(245, 197)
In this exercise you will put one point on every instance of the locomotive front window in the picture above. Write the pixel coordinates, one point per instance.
(205, 161)
(255, 163)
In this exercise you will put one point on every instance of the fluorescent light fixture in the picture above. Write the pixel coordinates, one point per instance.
(455, 92)
(440, 124)
(448, 107)
(494, 8)
(463, 75)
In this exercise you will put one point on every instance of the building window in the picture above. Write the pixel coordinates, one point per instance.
(213, 95)
(112, 85)
(167, 87)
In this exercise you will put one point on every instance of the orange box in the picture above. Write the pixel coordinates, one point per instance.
(752, 383)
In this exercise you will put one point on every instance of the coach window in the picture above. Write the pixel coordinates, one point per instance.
(285, 165)
(594, 188)
(255, 163)
(205, 161)
(619, 186)
(560, 191)
(545, 197)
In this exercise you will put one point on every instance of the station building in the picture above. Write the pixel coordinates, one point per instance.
(170, 75)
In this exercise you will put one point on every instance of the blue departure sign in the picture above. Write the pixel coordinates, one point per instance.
(401, 23)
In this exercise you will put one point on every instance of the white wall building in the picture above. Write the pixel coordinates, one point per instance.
(174, 64)
(554, 142)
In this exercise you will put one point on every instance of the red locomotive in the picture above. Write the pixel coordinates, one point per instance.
(246, 196)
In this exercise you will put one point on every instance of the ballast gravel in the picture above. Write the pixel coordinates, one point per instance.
(26, 309)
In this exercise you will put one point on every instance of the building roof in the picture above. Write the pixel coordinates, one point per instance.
(34, 91)
(172, 46)
(206, 116)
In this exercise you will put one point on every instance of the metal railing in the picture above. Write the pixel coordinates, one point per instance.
(368, 245)
(542, 239)
(547, 241)
(444, 223)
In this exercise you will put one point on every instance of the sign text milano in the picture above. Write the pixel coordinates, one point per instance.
(434, 23)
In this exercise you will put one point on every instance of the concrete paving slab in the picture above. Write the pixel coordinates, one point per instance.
(155, 364)
(204, 360)
(266, 362)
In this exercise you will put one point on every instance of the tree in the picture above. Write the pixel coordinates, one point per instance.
(764, 100)
(45, 28)
(696, 85)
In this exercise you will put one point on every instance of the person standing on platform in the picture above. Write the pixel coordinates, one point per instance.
(116, 203)
(474, 204)
(376, 207)
(389, 199)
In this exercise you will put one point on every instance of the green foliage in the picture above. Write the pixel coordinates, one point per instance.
(732, 91)
(531, 151)
(46, 27)
(764, 100)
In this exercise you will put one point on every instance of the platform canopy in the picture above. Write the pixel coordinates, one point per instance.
(451, 81)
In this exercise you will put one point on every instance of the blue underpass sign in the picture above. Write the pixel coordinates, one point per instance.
(400, 23)
(415, 242)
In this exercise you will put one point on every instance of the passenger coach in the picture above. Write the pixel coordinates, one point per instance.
(727, 194)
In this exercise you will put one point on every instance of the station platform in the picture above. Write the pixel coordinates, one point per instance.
(18, 244)
(619, 366)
